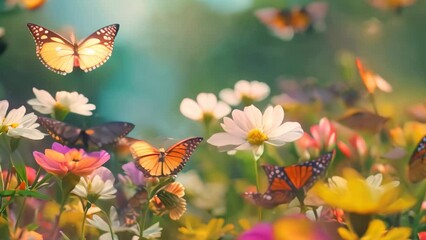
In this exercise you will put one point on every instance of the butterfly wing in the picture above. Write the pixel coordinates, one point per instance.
(53, 50)
(107, 133)
(147, 158)
(417, 163)
(97, 48)
(268, 199)
(277, 21)
(60, 131)
(363, 120)
(178, 155)
(318, 169)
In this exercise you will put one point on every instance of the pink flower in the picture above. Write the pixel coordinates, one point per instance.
(357, 148)
(259, 231)
(61, 160)
(323, 139)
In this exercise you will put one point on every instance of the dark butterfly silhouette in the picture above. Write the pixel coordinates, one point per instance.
(286, 183)
(363, 120)
(417, 163)
(155, 162)
(98, 136)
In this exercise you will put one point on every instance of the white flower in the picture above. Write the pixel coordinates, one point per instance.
(98, 185)
(205, 108)
(18, 124)
(153, 232)
(65, 101)
(246, 92)
(249, 130)
(102, 225)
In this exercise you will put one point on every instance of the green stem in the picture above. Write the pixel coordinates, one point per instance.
(109, 223)
(144, 220)
(256, 173)
(83, 224)
(58, 218)
(373, 102)
(21, 210)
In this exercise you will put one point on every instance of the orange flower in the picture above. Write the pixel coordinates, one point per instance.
(372, 80)
(169, 200)
(61, 160)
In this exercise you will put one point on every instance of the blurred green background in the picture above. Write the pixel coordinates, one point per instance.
(168, 50)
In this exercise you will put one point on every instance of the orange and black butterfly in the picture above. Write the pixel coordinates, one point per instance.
(61, 55)
(417, 163)
(285, 23)
(286, 183)
(98, 136)
(160, 162)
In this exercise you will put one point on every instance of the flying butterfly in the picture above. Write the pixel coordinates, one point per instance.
(285, 23)
(363, 120)
(286, 183)
(372, 80)
(417, 163)
(159, 162)
(98, 136)
(61, 55)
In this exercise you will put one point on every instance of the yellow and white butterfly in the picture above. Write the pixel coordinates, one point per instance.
(61, 55)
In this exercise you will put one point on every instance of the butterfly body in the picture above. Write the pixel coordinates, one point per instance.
(61, 55)
(286, 183)
(160, 162)
(97, 136)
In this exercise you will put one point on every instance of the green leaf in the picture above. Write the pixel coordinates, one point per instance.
(7, 193)
(28, 193)
(19, 165)
(4, 229)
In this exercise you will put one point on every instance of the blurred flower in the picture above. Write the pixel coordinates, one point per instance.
(262, 231)
(13, 181)
(18, 124)
(245, 92)
(205, 109)
(61, 160)
(371, 80)
(249, 130)
(357, 148)
(323, 139)
(98, 185)
(422, 235)
(353, 193)
(63, 103)
(116, 227)
(169, 200)
(27, 4)
(383, 168)
(312, 213)
(410, 134)
(214, 229)
(24, 234)
(132, 179)
(377, 231)
(208, 196)
(298, 227)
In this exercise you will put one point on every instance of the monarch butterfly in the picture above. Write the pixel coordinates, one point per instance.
(104, 134)
(285, 183)
(285, 23)
(61, 55)
(155, 162)
(417, 163)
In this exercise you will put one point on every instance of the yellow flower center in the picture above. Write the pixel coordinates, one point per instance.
(208, 118)
(5, 128)
(247, 100)
(73, 155)
(256, 137)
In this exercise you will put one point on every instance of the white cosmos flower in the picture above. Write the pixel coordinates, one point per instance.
(18, 124)
(98, 185)
(205, 108)
(64, 101)
(246, 92)
(249, 130)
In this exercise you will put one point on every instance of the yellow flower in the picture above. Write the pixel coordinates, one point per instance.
(354, 194)
(377, 231)
(409, 135)
(214, 229)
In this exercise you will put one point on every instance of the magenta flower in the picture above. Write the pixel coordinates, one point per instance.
(259, 231)
(61, 160)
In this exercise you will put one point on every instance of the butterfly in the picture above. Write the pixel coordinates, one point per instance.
(285, 23)
(286, 183)
(372, 80)
(363, 120)
(61, 55)
(417, 163)
(98, 136)
(155, 162)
